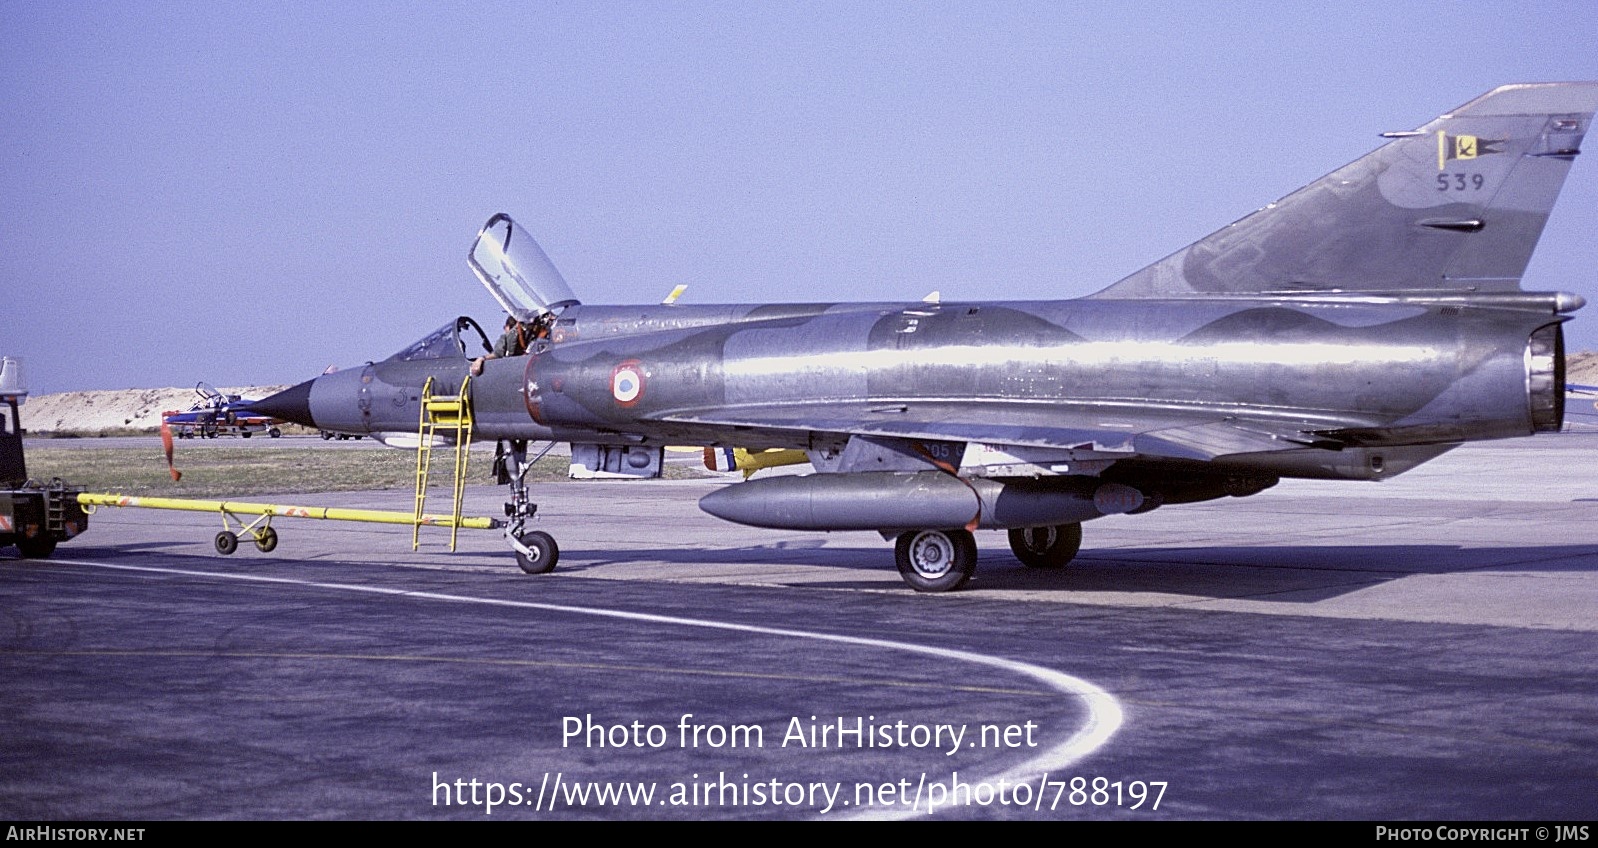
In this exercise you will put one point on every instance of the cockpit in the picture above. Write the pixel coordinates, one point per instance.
(459, 339)
(517, 273)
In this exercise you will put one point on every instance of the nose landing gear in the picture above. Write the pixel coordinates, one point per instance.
(536, 551)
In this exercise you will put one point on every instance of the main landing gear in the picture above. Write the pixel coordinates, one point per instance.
(536, 551)
(943, 560)
(928, 560)
(1046, 547)
(936, 560)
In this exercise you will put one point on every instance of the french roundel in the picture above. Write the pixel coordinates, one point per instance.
(627, 382)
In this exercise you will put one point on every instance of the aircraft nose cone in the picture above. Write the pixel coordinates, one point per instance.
(291, 404)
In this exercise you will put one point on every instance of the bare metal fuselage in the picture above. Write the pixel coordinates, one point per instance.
(1311, 387)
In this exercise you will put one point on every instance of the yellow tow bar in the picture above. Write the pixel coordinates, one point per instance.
(260, 530)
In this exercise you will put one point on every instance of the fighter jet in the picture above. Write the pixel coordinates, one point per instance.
(1358, 327)
(218, 414)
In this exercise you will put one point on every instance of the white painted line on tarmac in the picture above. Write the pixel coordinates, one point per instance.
(1104, 713)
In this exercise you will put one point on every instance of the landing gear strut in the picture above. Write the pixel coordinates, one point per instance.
(536, 551)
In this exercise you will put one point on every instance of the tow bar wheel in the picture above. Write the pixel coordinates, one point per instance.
(266, 540)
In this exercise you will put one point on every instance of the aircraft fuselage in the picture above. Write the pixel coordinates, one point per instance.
(1334, 376)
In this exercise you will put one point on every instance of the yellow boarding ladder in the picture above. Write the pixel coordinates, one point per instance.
(444, 413)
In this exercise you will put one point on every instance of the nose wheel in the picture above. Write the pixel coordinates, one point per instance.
(541, 552)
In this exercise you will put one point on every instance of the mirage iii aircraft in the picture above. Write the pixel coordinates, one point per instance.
(1354, 329)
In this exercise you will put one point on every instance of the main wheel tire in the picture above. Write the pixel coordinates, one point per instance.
(36, 547)
(226, 542)
(326, 435)
(244, 433)
(1046, 547)
(545, 553)
(266, 541)
(936, 560)
(274, 433)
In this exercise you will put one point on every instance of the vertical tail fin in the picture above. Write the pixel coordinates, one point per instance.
(1456, 205)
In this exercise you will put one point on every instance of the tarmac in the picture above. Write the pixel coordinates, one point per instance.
(1424, 648)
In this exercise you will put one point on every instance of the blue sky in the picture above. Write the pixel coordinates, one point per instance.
(247, 193)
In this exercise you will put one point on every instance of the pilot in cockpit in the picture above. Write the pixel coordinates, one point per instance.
(512, 342)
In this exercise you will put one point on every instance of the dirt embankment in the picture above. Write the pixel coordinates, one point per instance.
(1582, 368)
(115, 412)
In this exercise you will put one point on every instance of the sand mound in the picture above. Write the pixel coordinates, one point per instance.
(119, 411)
(1582, 368)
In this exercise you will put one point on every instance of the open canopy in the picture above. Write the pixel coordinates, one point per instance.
(516, 271)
